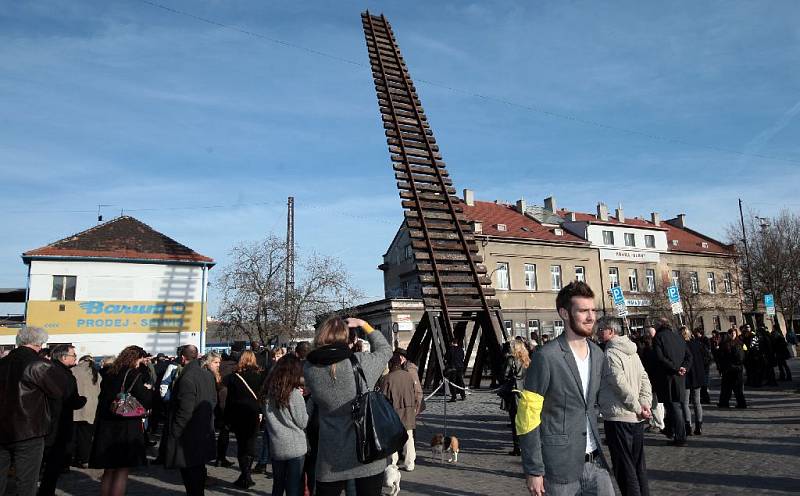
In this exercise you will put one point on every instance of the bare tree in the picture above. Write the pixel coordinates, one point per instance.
(774, 248)
(255, 302)
(694, 299)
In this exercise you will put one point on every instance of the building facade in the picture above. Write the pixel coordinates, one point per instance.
(117, 284)
(531, 252)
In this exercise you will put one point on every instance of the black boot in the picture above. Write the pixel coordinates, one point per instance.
(698, 429)
(688, 429)
(244, 481)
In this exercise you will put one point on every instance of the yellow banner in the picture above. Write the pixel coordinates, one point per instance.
(78, 317)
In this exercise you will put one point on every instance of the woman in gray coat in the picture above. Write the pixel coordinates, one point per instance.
(329, 376)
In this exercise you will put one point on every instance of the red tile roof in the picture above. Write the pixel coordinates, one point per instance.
(123, 237)
(690, 241)
(491, 214)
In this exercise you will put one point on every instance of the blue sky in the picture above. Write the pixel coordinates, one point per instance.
(202, 131)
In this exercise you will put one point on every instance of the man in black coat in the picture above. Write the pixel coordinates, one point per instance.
(190, 442)
(27, 382)
(673, 360)
(454, 359)
(60, 436)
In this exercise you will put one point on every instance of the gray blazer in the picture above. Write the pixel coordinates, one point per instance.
(556, 447)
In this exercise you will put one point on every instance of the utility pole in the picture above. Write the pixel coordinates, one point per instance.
(289, 289)
(747, 258)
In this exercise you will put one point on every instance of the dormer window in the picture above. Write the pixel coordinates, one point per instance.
(674, 242)
(479, 227)
(502, 227)
(704, 244)
(558, 232)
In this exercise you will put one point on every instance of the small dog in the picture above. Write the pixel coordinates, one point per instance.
(391, 481)
(441, 444)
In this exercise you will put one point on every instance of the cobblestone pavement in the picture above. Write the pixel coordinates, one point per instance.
(752, 451)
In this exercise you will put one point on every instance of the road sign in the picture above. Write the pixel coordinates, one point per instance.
(769, 302)
(619, 301)
(674, 296)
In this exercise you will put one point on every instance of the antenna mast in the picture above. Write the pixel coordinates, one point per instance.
(289, 289)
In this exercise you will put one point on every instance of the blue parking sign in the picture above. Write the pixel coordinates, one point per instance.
(673, 294)
(617, 296)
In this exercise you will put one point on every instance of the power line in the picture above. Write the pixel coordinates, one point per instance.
(489, 98)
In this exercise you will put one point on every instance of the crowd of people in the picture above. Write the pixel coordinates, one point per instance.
(60, 411)
(655, 380)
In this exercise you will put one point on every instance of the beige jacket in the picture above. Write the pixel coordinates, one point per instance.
(83, 376)
(625, 386)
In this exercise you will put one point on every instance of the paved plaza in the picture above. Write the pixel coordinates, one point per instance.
(752, 451)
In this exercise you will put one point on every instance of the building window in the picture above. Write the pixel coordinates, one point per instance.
(502, 275)
(64, 288)
(727, 280)
(712, 283)
(405, 289)
(478, 227)
(509, 325)
(732, 320)
(649, 241)
(580, 273)
(409, 252)
(633, 279)
(613, 276)
(701, 324)
(695, 282)
(650, 276)
(502, 227)
(558, 327)
(630, 240)
(717, 323)
(533, 326)
(555, 276)
(608, 238)
(530, 277)
(676, 278)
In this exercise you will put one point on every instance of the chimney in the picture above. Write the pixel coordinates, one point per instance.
(521, 206)
(572, 217)
(469, 197)
(602, 211)
(680, 221)
(620, 213)
(550, 203)
(655, 218)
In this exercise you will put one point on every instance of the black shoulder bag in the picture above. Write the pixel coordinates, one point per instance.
(379, 431)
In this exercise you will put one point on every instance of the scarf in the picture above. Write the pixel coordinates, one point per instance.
(330, 354)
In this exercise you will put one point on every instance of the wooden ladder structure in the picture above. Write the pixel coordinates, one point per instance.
(455, 288)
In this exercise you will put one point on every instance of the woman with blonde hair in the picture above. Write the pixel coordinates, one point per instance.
(243, 412)
(695, 377)
(517, 362)
(329, 377)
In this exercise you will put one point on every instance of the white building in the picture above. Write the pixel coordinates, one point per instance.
(117, 284)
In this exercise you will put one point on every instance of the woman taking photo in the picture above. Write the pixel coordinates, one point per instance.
(243, 412)
(329, 376)
(119, 441)
(286, 423)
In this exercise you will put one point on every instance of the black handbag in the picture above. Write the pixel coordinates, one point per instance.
(379, 431)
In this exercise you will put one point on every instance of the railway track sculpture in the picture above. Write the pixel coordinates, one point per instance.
(455, 288)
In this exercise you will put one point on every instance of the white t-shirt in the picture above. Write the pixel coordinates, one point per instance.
(584, 365)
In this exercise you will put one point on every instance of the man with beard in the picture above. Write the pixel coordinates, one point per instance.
(556, 416)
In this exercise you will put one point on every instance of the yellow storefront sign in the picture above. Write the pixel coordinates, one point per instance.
(78, 317)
